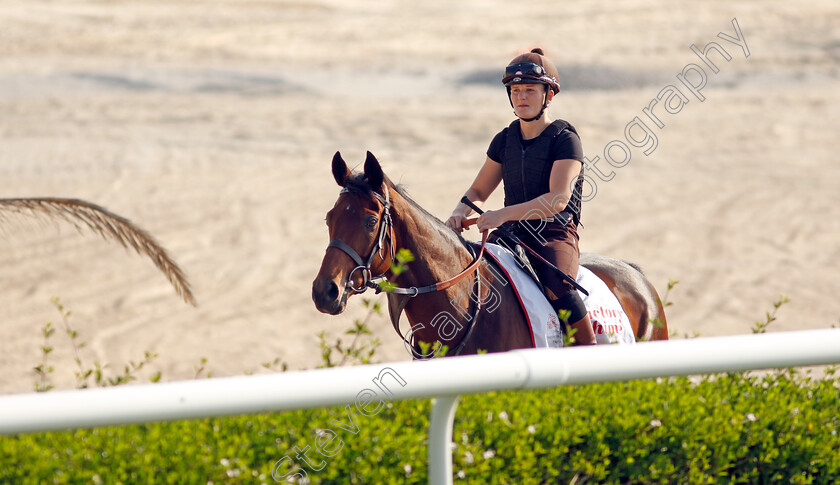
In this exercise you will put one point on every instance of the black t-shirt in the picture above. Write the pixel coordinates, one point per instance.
(566, 145)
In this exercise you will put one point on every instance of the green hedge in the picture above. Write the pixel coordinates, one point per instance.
(733, 428)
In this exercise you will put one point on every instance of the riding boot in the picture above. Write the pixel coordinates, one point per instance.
(584, 334)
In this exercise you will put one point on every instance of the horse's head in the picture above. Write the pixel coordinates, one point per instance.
(360, 229)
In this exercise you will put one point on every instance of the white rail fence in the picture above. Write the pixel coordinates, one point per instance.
(445, 379)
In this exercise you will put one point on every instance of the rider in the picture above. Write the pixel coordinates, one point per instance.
(541, 164)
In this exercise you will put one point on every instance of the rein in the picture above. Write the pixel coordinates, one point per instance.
(386, 234)
(442, 285)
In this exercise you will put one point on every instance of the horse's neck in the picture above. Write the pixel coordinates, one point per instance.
(437, 255)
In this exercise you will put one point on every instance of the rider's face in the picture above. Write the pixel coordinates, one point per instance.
(527, 99)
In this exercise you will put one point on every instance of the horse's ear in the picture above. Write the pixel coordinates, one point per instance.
(339, 169)
(373, 172)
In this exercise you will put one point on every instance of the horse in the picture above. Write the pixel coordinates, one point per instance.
(471, 312)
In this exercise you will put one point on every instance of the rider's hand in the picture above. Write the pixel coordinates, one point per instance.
(455, 222)
(490, 220)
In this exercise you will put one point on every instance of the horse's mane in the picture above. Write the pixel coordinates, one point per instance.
(356, 183)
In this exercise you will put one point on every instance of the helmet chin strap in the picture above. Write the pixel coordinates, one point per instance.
(535, 117)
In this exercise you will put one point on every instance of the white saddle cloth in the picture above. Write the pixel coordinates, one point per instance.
(609, 321)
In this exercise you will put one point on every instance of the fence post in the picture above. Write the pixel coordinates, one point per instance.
(439, 448)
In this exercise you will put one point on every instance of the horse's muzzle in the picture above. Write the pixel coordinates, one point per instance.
(328, 296)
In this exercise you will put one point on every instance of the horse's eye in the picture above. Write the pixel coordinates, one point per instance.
(370, 222)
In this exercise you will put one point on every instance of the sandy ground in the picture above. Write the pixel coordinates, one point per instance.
(212, 125)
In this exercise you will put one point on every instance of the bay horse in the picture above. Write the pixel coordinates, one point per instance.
(477, 310)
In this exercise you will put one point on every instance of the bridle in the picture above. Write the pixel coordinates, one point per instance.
(386, 231)
(386, 234)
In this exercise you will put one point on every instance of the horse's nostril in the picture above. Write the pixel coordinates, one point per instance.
(332, 291)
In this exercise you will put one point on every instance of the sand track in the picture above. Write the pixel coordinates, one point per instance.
(213, 127)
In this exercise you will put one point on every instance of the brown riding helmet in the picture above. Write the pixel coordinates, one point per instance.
(531, 68)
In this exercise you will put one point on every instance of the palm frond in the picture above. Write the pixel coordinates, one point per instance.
(83, 214)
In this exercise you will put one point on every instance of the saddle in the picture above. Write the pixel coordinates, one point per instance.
(523, 259)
